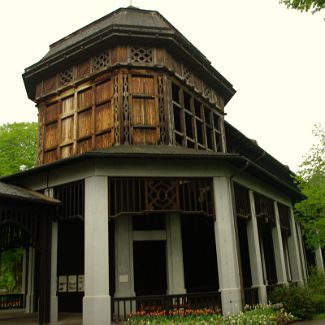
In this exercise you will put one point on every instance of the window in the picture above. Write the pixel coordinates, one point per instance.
(196, 124)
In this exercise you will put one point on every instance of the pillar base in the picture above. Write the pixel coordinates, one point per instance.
(29, 303)
(96, 310)
(177, 291)
(231, 301)
(54, 310)
(262, 293)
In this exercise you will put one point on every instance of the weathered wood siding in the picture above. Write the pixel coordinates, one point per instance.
(96, 115)
(123, 96)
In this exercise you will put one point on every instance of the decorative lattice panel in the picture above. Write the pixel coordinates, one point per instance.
(134, 195)
(72, 197)
(242, 203)
(264, 209)
(206, 91)
(162, 113)
(66, 77)
(116, 111)
(187, 75)
(161, 195)
(126, 115)
(101, 61)
(141, 55)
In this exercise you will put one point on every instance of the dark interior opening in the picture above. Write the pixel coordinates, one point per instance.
(70, 261)
(267, 242)
(175, 93)
(149, 259)
(244, 253)
(199, 251)
(177, 119)
(151, 221)
(189, 126)
(111, 249)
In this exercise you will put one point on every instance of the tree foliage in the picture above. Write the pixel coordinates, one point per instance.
(11, 270)
(17, 152)
(305, 5)
(17, 147)
(311, 180)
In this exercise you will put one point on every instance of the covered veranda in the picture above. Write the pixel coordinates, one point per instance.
(25, 222)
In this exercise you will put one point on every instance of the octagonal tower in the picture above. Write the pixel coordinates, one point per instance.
(127, 78)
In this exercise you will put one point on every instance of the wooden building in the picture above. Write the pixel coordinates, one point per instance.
(164, 203)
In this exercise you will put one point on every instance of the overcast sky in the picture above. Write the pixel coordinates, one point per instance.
(274, 57)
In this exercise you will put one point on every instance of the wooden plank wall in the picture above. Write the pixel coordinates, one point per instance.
(83, 118)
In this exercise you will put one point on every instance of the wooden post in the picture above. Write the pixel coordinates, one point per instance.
(44, 267)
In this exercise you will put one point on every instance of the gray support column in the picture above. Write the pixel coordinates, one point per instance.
(255, 257)
(302, 253)
(96, 302)
(293, 247)
(225, 237)
(278, 249)
(319, 259)
(30, 296)
(175, 265)
(54, 306)
(124, 277)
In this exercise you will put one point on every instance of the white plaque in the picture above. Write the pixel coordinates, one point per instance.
(62, 287)
(81, 283)
(72, 283)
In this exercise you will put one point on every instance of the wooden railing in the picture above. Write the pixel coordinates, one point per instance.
(12, 301)
(122, 307)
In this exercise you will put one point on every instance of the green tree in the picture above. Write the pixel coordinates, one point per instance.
(17, 147)
(11, 269)
(305, 5)
(17, 152)
(311, 180)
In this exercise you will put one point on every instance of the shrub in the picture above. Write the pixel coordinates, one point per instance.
(297, 300)
(316, 282)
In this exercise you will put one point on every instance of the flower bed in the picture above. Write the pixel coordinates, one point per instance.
(260, 314)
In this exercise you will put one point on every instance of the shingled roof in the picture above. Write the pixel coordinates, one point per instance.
(19, 193)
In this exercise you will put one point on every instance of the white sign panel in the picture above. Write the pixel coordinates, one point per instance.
(72, 283)
(80, 283)
(62, 287)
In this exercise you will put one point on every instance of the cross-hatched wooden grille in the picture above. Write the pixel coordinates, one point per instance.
(116, 111)
(206, 91)
(12, 237)
(187, 75)
(243, 209)
(18, 227)
(264, 209)
(284, 216)
(126, 115)
(72, 196)
(141, 55)
(66, 77)
(161, 195)
(162, 113)
(196, 195)
(101, 61)
(134, 196)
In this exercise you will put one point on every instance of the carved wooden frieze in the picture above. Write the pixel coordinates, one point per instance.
(137, 56)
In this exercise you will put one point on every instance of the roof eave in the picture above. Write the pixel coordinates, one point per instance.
(236, 159)
(174, 39)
